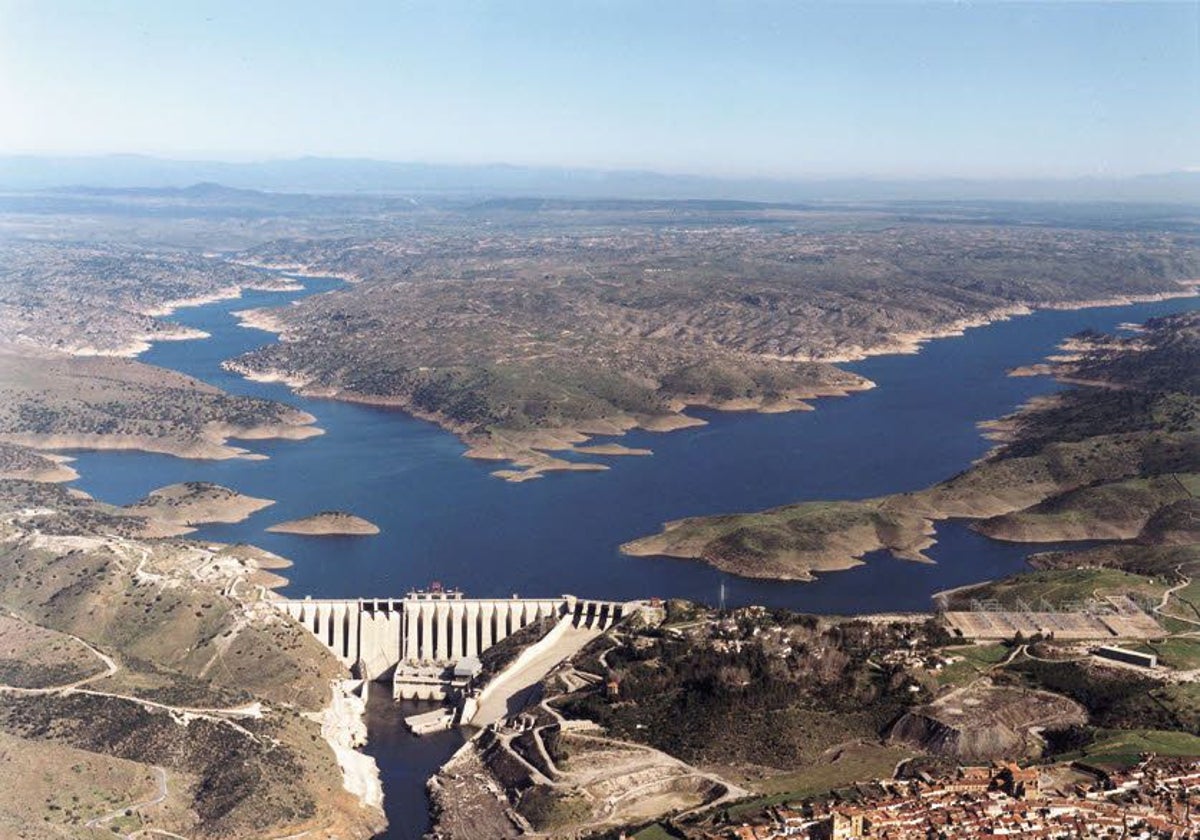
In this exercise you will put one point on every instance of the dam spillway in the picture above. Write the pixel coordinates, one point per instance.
(414, 638)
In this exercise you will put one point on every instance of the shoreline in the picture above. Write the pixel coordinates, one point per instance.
(530, 458)
(342, 721)
(258, 319)
(140, 343)
(344, 728)
(301, 385)
(909, 343)
(528, 453)
(170, 307)
(326, 524)
(213, 445)
(845, 551)
(996, 504)
(296, 270)
(59, 473)
(192, 504)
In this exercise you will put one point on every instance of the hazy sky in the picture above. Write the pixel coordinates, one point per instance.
(783, 88)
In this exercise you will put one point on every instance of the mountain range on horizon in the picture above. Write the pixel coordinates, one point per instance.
(359, 175)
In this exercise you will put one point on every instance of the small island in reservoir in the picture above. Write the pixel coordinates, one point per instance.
(327, 523)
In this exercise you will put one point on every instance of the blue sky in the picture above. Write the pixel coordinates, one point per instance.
(727, 88)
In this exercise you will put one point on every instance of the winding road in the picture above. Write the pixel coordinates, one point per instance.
(161, 795)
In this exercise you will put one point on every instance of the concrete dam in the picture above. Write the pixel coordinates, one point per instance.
(428, 642)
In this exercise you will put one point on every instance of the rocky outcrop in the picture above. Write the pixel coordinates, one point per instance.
(984, 722)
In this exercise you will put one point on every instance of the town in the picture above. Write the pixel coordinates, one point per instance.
(1156, 798)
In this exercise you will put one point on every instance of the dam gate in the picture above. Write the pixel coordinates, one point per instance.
(428, 641)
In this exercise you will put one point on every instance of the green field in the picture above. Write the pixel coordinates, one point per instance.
(1185, 602)
(975, 661)
(1059, 587)
(1180, 653)
(1125, 747)
(1183, 699)
(859, 763)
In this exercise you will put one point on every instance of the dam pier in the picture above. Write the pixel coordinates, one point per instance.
(428, 643)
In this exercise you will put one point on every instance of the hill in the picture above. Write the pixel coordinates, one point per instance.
(1114, 459)
(172, 677)
(548, 329)
(358, 174)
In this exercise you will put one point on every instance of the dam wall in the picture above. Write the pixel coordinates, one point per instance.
(431, 630)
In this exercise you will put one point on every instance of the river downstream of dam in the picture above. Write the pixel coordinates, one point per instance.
(444, 518)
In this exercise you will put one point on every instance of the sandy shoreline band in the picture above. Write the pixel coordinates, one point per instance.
(197, 503)
(842, 551)
(212, 445)
(327, 524)
(298, 270)
(261, 566)
(57, 473)
(527, 451)
(612, 449)
(258, 319)
(295, 383)
(233, 292)
(907, 343)
(140, 343)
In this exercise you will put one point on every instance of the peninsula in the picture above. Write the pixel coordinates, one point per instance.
(105, 298)
(20, 462)
(1116, 458)
(152, 687)
(197, 502)
(546, 332)
(51, 401)
(73, 314)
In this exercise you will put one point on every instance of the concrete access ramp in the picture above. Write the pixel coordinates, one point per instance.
(511, 689)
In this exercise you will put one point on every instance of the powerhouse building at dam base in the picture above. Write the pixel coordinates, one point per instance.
(428, 643)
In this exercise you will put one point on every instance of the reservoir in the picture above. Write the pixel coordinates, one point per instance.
(445, 519)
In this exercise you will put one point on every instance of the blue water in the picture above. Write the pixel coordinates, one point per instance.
(405, 761)
(445, 518)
